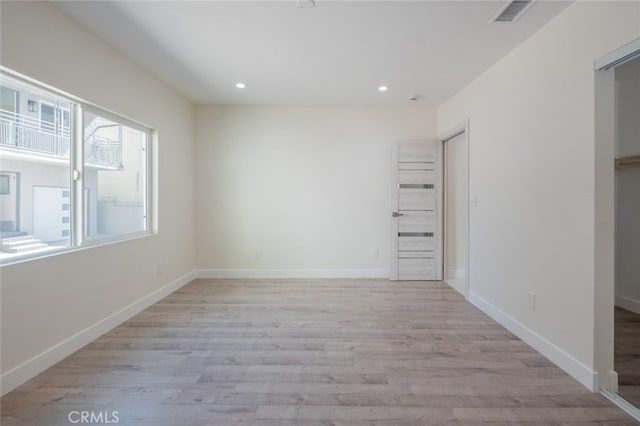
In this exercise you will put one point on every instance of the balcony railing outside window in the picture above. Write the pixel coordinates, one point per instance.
(30, 134)
(23, 133)
(102, 150)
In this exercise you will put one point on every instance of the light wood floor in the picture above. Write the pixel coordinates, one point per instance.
(310, 352)
(627, 354)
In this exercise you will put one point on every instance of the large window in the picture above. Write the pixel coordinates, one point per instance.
(71, 174)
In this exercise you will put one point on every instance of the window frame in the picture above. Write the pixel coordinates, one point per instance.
(79, 145)
(76, 165)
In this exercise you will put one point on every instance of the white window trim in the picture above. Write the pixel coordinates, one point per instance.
(73, 249)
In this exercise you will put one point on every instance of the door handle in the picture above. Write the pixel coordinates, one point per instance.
(396, 214)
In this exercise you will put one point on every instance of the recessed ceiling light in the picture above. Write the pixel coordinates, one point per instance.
(383, 88)
(306, 4)
(241, 85)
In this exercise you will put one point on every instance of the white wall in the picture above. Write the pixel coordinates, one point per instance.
(48, 300)
(628, 187)
(532, 157)
(308, 187)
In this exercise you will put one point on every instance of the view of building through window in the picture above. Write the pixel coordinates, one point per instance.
(36, 202)
(114, 158)
(34, 168)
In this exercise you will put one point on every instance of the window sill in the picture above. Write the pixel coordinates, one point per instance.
(87, 245)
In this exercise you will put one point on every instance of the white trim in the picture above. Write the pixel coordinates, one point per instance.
(603, 225)
(393, 272)
(628, 303)
(622, 403)
(613, 381)
(439, 210)
(29, 257)
(76, 179)
(456, 131)
(619, 56)
(34, 366)
(292, 273)
(569, 364)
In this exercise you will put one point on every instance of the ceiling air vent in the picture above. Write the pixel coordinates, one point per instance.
(511, 11)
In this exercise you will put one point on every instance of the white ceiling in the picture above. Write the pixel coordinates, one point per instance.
(337, 53)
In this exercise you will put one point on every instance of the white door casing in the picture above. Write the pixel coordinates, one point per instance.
(416, 231)
(455, 209)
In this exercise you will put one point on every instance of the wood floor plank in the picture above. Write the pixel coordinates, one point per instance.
(311, 353)
(627, 354)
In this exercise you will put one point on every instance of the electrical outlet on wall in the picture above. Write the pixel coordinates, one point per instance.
(375, 253)
(258, 254)
(159, 269)
(531, 300)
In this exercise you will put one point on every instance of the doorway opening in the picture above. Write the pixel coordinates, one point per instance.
(627, 232)
(617, 218)
(456, 208)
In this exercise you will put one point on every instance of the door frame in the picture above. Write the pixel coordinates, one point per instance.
(460, 129)
(604, 220)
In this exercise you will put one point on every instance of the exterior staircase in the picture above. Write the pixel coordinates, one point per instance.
(22, 244)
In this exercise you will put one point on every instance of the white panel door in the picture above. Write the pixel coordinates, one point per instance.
(416, 231)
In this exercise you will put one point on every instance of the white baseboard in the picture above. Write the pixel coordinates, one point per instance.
(628, 303)
(570, 365)
(613, 381)
(292, 273)
(29, 369)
